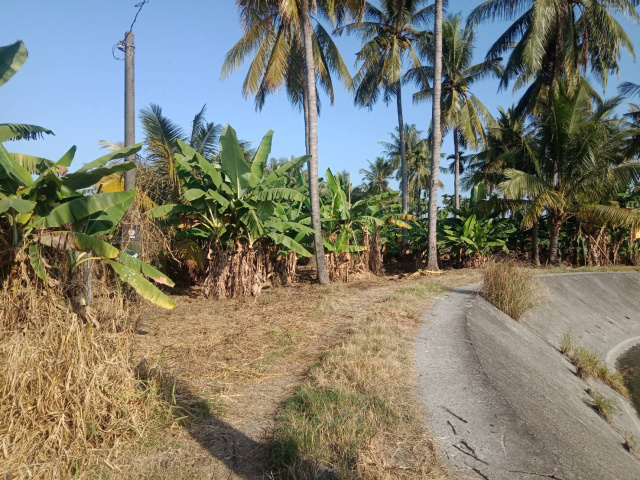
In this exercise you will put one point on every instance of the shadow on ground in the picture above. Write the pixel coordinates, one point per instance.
(243, 456)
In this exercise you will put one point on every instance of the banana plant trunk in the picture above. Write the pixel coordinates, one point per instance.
(432, 248)
(456, 149)
(312, 114)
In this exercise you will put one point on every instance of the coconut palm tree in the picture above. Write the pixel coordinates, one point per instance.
(462, 112)
(432, 240)
(287, 48)
(376, 178)
(389, 34)
(579, 162)
(418, 159)
(550, 40)
(161, 140)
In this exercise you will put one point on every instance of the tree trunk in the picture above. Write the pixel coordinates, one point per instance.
(305, 109)
(535, 249)
(456, 149)
(323, 274)
(432, 254)
(403, 155)
(553, 241)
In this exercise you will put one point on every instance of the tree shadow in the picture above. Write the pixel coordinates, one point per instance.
(245, 457)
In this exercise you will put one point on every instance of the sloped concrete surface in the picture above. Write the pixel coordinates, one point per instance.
(503, 401)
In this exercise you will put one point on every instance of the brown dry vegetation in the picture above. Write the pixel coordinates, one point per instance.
(69, 398)
(231, 366)
(510, 287)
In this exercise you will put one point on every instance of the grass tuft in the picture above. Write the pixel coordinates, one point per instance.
(588, 364)
(603, 406)
(509, 287)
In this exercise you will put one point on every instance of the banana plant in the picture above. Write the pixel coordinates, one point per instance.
(342, 221)
(467, 236)
(54, 210)
(12, 57)
(234, 200)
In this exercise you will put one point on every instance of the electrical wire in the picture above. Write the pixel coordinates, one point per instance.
(122, 44)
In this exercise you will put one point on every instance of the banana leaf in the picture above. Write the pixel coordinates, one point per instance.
(260, 159)
(77, 241)
(233, 163)
(139, 266)
(141, 285)
(82, 207)
(12, 57)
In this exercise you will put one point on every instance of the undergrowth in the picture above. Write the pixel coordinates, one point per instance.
(509, 287)
(68, 396)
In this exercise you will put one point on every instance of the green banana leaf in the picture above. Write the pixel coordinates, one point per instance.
(12, 57)
(21, 131)
(233, 163)
(289, 243)
(37, 262)
(260, 159)
(169, 209)
(13, 170)
(17, 204)
(139, 266)
(141, 285)
(82, 207)
(77, 181)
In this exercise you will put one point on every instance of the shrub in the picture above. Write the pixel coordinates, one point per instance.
(509, 287)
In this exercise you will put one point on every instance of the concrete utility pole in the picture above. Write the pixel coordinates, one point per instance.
(129, 106)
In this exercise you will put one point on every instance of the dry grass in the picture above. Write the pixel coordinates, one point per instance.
(357, 416)
(589, 365)
(510, 288)
(69, 398)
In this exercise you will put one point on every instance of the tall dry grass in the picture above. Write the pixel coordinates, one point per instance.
(510, 288)
(69, 398)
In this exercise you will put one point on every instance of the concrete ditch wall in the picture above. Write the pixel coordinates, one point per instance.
(505, 403)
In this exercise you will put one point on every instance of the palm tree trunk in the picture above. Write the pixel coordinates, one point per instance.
(310, 90)
(535, 249)
(553, 241)
(456, 149)
(432, 253)
(305, 109)
(403, 155)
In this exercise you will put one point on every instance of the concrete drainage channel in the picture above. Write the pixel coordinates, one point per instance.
(503, 401)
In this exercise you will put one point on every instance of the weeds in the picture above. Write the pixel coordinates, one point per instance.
(588, 364)
(601, 405)
(509, 287)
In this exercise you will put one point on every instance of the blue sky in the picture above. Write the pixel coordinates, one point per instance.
(73, 85)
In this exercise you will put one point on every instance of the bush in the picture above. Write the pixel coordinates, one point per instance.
(509, 287)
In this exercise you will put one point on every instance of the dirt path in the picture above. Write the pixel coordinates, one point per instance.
(235, 363)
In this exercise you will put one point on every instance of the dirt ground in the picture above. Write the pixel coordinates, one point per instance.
(231, 364)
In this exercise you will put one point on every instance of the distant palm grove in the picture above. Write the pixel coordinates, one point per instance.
(550, 179)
